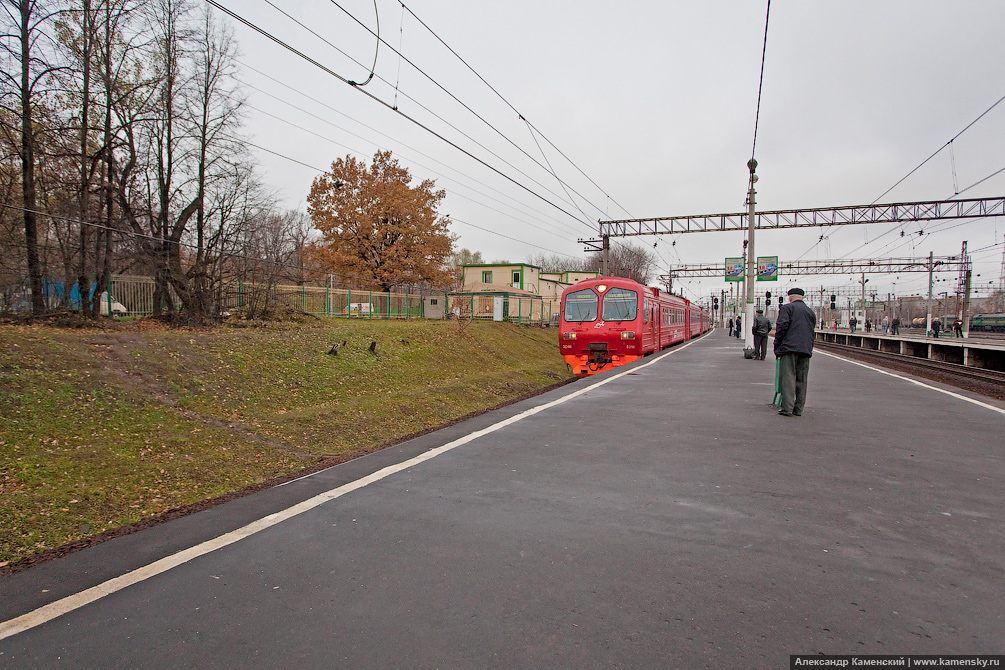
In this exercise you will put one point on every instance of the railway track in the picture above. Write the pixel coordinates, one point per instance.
(985, 382)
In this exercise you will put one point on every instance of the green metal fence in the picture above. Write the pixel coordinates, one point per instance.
(134, 296)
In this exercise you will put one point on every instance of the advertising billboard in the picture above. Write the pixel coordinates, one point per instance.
(734, 269)
(767, 268)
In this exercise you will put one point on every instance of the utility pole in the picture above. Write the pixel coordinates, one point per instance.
(606, 252)
(863, 282)
(928, 320)
(748, 317)
(966, 308)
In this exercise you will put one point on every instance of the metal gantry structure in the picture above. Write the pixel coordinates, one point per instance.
(900, 212)
(839, 266)
(749, 221)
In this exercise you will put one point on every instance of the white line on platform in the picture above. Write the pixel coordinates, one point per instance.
(69, 603)
(915, 381)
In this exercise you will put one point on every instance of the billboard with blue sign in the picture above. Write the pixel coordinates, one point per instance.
(734, 269)
(767, 268)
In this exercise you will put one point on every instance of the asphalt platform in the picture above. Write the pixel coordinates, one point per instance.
(659, 515)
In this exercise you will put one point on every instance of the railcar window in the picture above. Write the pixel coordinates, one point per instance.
(620, 304)
(581, 306)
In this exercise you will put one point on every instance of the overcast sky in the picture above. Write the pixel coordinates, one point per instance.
(655, 101)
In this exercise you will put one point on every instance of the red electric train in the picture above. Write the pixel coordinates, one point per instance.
(611, 321)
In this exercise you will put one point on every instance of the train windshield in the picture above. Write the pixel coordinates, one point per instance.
(620, 304)
(581, 306)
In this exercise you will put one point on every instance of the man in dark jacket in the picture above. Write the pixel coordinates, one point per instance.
(794, 332)
(761, 328)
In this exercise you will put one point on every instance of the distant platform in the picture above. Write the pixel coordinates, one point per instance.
(976, 353)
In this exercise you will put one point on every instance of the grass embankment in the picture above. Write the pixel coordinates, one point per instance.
(103, 428)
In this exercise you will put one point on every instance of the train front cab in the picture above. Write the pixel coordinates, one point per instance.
(604, 324)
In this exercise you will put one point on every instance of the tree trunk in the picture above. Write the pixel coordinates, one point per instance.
(28, 163)
(83, 281)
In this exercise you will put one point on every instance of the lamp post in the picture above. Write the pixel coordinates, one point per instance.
(748, 314)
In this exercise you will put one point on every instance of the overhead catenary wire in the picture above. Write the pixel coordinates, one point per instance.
(359, 153)
(425, 108)
(492, 232)
(760, 84)
(411, 119)
(376, 50)
(939, 150)
(317, 169)
(509, 104)
(934, 228)
(565, 186)
(392, 139)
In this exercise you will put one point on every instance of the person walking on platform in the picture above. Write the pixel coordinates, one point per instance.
(738, 326)
(895, 326)
(794, 330)
(761, 328)
(730, 326)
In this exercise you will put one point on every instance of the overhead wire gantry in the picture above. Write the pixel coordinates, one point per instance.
(933, 210)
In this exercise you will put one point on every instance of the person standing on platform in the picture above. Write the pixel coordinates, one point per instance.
(886, 324)
(936, 327)
(761, 328)
(794, 330)
(895, 325)
(851, 323)
(738, 326)
(730, 326)
(958, 328)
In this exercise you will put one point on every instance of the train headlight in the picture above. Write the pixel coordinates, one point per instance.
(628, 335)
(568, 336)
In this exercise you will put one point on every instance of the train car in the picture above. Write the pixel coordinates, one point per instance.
(611, 321)
(993, 323)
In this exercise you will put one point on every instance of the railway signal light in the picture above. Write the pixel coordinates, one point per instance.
(833, 301)
(780, 300)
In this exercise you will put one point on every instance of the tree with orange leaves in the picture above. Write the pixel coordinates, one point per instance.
(376, 229)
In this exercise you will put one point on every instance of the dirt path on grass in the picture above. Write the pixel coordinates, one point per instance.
(114, 350)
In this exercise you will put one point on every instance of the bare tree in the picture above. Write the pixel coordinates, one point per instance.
(214, 107)
(626, 260)
(22, 43)
(557, 262)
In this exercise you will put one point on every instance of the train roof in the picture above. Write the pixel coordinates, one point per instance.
(656, 292)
